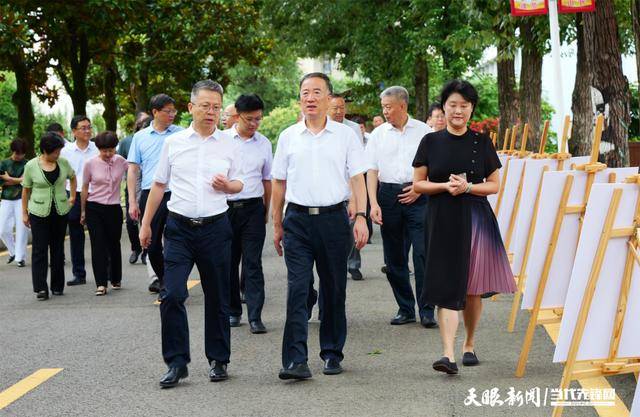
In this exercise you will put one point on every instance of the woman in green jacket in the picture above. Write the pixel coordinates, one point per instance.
(45, 205)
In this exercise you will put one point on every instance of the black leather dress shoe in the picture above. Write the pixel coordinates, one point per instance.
(56, 292)
(218, 372)
(295, 371)
(77, 281)
(42, 295)
(332, 367)
(11, 259)
(234, 321)
(428, 322)
(470, 359)
(445, 365)
(154, 287)
(356, 275)
(402, 319)
(134, 256)
(21, 264)
(257, 327)
(143, 258)
(173, 376)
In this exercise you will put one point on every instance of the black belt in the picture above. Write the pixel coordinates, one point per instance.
(243, 203)
(316, 210)
(396, 185)
(196, 221)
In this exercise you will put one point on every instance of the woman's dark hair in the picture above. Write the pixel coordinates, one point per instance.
(55, 127)
(249, 102)
(433, 107)
(158, 101)
(18, 146)
(106, 140)
(464, 88)
(77, 119)
(50, 142)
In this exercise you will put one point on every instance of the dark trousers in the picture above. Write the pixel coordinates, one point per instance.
(76, 240)
(323, 239)
(48, 236)
(105, 229)
(354, 261)
(209, 248)
(249, 231)
(158, 223)
(132, 227)
(403, 224)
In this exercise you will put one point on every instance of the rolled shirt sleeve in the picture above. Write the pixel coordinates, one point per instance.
(356, 158)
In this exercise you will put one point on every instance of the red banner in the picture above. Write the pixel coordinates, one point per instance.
(529, 7)
(576, 6)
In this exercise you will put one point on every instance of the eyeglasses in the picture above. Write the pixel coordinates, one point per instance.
(170, 112)
(252, 120)
(208, 107)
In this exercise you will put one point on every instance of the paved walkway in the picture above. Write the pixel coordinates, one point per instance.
(109, 352)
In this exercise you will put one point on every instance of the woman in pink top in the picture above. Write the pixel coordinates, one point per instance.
(102, 212)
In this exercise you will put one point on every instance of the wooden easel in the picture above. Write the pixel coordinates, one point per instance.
(505, 151)
(563, 209)
(561, 156)
(516, 203)
(613, 365)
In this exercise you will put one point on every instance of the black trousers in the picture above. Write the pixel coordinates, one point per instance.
(249, 231)
(76, 240)
(132, 226)
(48, 236)
(105, 229)
(322, 239)
(209, 248)
(158, 223)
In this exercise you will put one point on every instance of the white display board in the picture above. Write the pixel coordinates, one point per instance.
(598, 329)
(512, 181)
(493, 198)
(530, 184)
(560, 272)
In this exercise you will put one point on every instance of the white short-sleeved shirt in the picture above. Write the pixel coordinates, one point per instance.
(356, 128)
(257, 158)
(77, 158)
(188, 162)
(317, 168)
(390, 151)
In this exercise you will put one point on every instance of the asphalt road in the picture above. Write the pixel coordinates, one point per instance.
(109, 349)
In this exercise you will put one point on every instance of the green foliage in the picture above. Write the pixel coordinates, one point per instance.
(278, 120)
(8, 115)
(634, 128)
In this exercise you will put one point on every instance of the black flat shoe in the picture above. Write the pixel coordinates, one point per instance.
(218, 372)
(428, 323)
(470, 359)
(77, 281)
(173, 376)
(234, 321)
(257, 327)
(11, 259)
(42, 295)
(154, 287)
(332, 367)
(445, 365)
(143, 257)
(133, 258)
(356, 275)
(21, 264)
(56, 292)
(402, 319)
(295, 371)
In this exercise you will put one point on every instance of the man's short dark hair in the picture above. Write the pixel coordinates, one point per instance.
(249, 102)
(106, 140)
(50, 142)
(18, 146)
(158, 101)
(317, 75)
(462, 87)
(77, 119)
(55, 127)
(433, 107)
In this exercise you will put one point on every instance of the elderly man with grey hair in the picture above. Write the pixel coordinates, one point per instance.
(202, 165)
(398, 210)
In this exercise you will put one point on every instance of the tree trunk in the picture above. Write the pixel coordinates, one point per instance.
(530, 85)
(110, 113)
(142, 91)
(581, 106)
(603, 50)
(507, 100)
(635, 19)
(421, 85)
(22, 100)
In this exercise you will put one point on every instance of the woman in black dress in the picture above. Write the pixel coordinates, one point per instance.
(465, 257)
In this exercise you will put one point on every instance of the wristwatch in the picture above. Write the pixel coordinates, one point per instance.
(362, 214)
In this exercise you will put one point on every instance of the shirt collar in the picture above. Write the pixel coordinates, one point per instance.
(74, 144)
(169, 129)
(329, 127)
(191, 133)
(411, 123)
(233, 132)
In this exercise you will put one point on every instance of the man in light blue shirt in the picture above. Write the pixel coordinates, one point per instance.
(143, 158)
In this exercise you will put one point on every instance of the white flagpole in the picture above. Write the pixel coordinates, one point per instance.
(557, 67)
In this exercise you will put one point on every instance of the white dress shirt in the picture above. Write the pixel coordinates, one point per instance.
(257, 157)
(390, 151)
(317, 168)
(77, 157)
(188, 162)
(356, 128)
